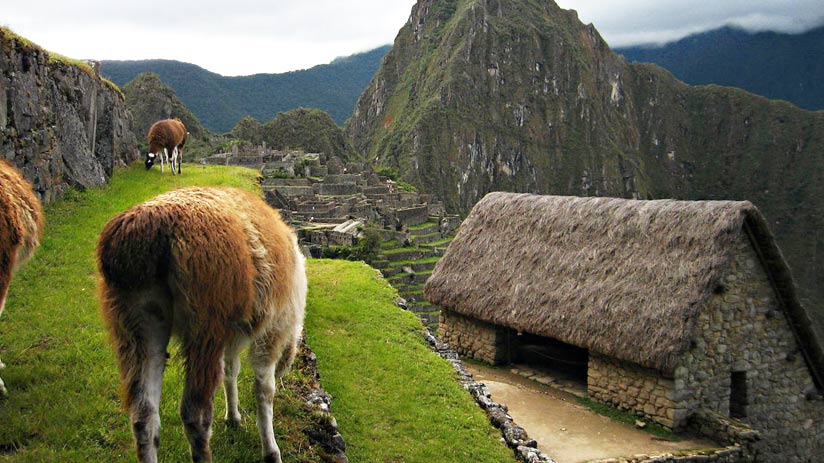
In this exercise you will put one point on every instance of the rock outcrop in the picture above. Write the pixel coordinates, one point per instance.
(310, 130)
(519, 95)
(150, 100)
(60, 123)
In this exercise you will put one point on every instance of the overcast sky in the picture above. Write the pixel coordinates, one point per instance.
(242, 37)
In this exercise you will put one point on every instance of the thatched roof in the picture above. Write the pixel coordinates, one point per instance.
(621, 277)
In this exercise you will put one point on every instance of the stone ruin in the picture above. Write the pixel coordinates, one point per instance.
(330, 202)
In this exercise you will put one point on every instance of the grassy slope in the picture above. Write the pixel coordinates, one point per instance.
(63, 382)
(415, 411)
(61, 374)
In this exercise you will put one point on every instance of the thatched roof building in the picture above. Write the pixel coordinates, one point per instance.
(619, 277)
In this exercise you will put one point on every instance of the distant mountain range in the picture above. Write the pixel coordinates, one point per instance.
(778, 66)
(775, 65)
(220, 102)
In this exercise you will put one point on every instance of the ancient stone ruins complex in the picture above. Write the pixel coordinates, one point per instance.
(333, 204)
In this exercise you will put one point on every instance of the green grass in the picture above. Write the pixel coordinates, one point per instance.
(628, 419)
(425, 260)
(61, 374)
(387, 252)
(423, 226)
(390, 244)
(395, 400)
(434, 244)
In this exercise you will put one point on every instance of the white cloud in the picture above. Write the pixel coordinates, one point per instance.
(231, 38)
(632, 22)
(242, 37)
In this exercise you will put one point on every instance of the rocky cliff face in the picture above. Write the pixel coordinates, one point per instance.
(59, 122)
(519, 95)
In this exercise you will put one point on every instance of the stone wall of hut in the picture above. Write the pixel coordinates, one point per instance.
(746, 363)
(473, 338)
(629, 386)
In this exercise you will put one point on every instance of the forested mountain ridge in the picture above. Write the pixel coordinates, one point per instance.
(219, 102)
(771, 64)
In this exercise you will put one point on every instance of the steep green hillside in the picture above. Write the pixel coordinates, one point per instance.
(310, 130)
(775, 65)
(393, 398)
(63, 403)
(220, 102)
(519, 95)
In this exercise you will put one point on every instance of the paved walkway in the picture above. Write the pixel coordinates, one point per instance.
(565, 430)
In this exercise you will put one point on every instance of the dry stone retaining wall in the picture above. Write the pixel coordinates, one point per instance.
(632, 387)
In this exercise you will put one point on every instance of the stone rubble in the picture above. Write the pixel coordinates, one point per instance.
(328, 437)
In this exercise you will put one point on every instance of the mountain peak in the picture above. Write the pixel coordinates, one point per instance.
(518, 95)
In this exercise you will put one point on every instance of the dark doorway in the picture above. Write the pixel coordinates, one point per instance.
(738, 394)
(560, 359)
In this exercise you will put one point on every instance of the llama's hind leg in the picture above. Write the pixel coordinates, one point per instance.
(203, 370)
(143, 359)
(5, 280)
(267, 358)
(3, 391)
(145, 409)
(265, 388)
(231, 368)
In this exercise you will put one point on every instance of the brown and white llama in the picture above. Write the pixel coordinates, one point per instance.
(218, 268)
(166, 138)
(21, 227)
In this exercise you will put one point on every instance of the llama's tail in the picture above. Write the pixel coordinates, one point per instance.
(134, 249)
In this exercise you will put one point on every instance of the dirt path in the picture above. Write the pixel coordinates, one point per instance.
(565, 430)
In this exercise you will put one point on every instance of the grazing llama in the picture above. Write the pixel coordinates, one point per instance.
(21, 227)
(218, 268)
(166, 138)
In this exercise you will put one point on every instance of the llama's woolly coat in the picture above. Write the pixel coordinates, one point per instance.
(208, 248)
(167, 133)
(21, 223)
(21, 227)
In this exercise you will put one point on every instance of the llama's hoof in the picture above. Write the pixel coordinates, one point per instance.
(233, 423)
(2, 365)
(272, 458)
